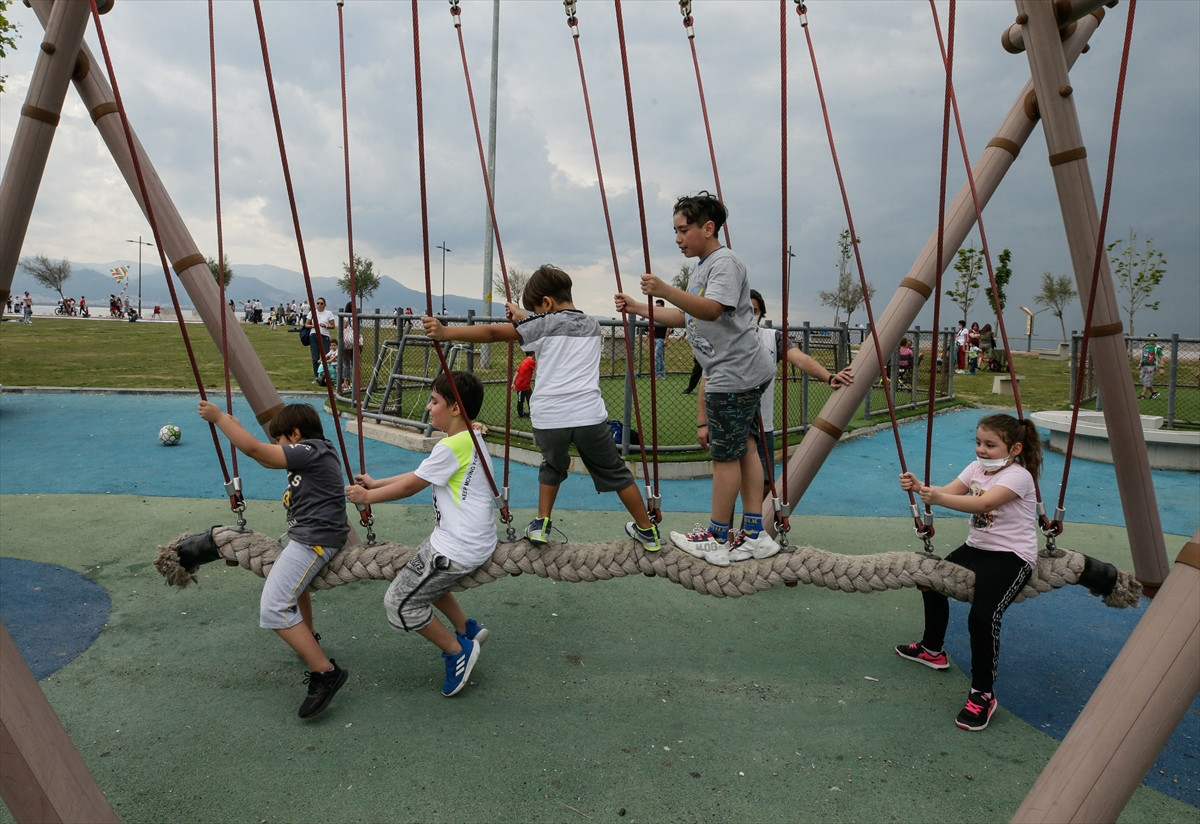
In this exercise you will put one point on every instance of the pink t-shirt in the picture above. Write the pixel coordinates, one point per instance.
(1013, 526)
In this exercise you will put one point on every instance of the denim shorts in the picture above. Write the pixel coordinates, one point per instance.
(732, 418)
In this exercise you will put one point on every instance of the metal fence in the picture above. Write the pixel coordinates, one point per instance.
(1174, 382)
(399, 363)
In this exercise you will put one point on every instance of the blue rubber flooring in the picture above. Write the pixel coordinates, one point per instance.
(101, 444)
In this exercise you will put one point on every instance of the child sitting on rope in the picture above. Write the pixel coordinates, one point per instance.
(464, 532)
(566, 408)
(317, 529)
(998, 491)
(738, 369)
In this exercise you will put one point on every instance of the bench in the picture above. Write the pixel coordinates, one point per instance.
(1062, 352)
(1002, 384)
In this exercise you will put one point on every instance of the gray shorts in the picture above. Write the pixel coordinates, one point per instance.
(1147, 374)
(290, 575)
(427, 577)
(732, 418)
(596, 449)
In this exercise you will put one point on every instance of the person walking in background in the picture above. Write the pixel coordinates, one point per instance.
(27, 309)
(960, 348)
(661, 330)
(1152, 364)
(523, 385)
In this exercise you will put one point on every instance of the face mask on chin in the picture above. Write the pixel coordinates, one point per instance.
(992, 464)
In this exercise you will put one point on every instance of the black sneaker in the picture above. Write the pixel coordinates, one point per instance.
(978, 711)
(918, 653)
(1153, 395)
(322, 686)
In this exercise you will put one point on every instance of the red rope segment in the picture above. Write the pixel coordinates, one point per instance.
(802, 11)
(365, 513)
(505, 515)
(573, 23)
(948, 64)
(653, 497)
(287, 179)
(781, 519)
(1087, 328)
(141, 179)
(235, 490)
(685, 7)
(456, 13)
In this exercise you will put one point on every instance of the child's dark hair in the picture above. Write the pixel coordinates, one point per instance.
(1013, 431)
(756, 295)
(701, 208)
(469, 387)
(547, 281)
(300, 416)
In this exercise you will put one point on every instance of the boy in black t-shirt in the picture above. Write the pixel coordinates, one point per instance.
(317, 529)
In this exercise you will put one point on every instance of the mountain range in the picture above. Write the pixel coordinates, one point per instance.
(270, 284)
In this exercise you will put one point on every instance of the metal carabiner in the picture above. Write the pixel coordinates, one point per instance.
(653, 506)
(456, 13)
(572, 19)
(802, 10)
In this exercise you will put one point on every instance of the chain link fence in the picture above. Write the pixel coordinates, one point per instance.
(1167, 382)
(398, 363)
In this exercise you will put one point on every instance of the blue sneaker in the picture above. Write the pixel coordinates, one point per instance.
(458, 667)
(475, 632)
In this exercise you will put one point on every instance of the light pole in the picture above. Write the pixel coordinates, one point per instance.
(1029, 316)
(140, 244)
(444, 249)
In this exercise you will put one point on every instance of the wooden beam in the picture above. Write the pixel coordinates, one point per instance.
(42, 775)
(1132, 714)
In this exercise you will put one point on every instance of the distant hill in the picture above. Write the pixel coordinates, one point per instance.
(270, 284)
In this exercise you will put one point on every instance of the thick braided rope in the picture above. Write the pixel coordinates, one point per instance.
(573, 563)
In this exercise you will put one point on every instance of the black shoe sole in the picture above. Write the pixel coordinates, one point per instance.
(320, 706)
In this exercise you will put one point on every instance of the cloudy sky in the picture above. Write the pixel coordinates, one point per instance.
(882, 76)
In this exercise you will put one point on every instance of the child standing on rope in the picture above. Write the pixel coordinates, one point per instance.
(998, 491)
(317, 529)
(464, 532)
(737, 369)
(566, 407)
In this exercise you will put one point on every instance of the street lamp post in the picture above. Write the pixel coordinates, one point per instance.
(1029, 316)
(140, 244)
(444, 249)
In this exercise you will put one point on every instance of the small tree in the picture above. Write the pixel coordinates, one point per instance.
(1057, 292)
(7, 41)
(680, 281)
(47, 272)
(517, 278)
(216, 271)
(1138, 273)
(849, 295)
(969, 265)
(366, 281)
(1003, 276)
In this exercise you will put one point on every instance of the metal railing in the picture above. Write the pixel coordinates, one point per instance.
(1177, 374)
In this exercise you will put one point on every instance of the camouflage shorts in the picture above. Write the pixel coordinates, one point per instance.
(732, 418)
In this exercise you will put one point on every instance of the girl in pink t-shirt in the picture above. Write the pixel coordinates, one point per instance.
(998, 491)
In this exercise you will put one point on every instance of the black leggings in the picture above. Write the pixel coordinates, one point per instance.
(999, 577)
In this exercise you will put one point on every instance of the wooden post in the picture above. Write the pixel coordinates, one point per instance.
(917, 287)
(183, 253)
(42, 775)
(1068, 160)
(58, 59)
(1133, 712)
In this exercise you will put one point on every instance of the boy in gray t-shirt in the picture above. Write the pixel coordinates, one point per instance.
(716, 310)
(317, 529)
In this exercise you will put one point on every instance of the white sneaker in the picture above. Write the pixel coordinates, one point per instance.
(701, 543)
(763, 546)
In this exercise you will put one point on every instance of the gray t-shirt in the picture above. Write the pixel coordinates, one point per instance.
(727, 348)
(315, 498)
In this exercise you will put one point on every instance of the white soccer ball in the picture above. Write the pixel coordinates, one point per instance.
(170, 434)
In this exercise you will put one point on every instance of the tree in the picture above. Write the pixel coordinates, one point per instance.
(680, 281)
(8, 40)
(966, 286)
(849, 295)
(216, 271)
(1057, 292)
(517, 278)
(1003, 276)
(366, 282)
(49, 273)
(1138, 273)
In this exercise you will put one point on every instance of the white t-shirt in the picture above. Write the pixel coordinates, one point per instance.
(465, 522)
(567, 347)
(1011, 527)
(770, 339)
(324, 319)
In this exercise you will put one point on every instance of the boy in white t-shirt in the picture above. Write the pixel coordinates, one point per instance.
(464, 532)
(567, 408)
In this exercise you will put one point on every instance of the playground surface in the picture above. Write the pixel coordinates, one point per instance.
(624, 701)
